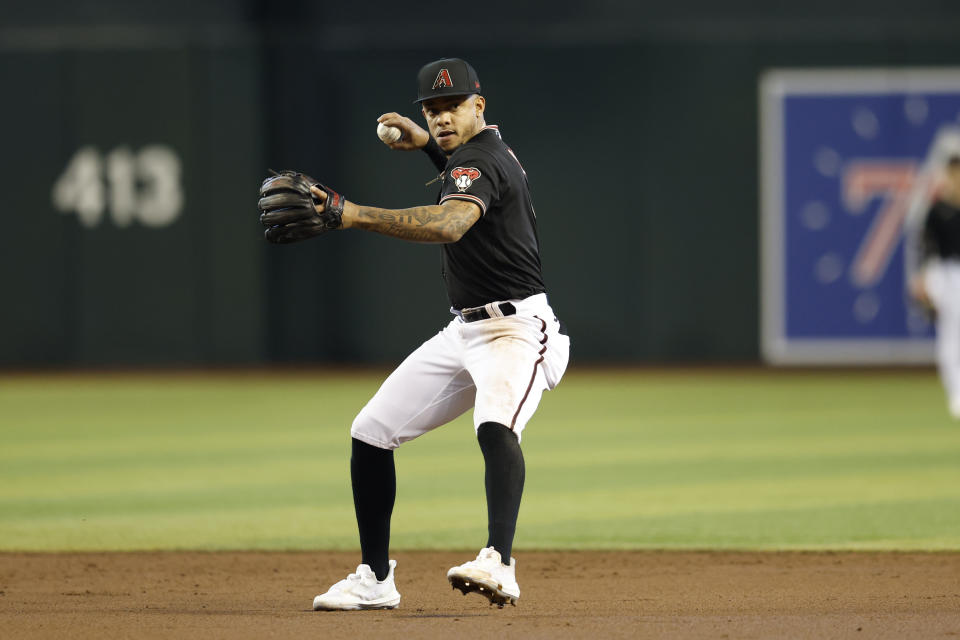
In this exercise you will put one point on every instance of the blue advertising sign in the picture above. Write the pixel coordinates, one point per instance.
(850, 160)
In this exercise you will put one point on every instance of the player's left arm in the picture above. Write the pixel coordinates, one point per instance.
(925, 248)
(437, 223)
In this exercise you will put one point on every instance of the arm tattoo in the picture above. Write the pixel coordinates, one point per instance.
(432, 223)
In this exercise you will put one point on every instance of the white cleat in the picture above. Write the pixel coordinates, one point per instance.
(360, 590)
(488, 576)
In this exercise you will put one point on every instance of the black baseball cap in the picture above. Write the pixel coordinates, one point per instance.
(446, 77)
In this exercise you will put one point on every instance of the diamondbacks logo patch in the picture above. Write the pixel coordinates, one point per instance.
(443, 80)
(463, 177)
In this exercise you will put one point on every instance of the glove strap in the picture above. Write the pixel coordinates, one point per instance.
(333, 207)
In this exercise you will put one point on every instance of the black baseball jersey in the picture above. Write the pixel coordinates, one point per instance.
(941, 231)
(498, 258)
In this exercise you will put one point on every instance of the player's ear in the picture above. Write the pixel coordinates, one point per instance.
(480, 104)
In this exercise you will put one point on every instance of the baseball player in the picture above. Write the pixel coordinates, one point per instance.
(937, 282)
(500, 351)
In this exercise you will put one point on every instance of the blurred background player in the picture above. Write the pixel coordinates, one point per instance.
(936, 283)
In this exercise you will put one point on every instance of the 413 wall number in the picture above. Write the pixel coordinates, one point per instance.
(143, 186)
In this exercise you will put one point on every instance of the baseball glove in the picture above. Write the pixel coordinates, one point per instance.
(288, 208)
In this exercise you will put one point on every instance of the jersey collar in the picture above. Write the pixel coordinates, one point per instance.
(494, 128)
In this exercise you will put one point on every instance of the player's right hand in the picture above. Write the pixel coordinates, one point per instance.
(918, 290)
(414, 136)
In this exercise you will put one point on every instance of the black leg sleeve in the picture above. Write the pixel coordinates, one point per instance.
(504, 476)
(374, 482)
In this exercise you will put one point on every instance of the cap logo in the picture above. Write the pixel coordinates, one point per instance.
(464, 176)
(443, 80)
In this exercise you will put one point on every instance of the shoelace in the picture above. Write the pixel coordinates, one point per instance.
(356, 577)
(486, 554)
(353, 577)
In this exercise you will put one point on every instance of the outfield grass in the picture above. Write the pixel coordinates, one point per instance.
(648, 459)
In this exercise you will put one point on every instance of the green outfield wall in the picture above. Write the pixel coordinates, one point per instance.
(135, 144)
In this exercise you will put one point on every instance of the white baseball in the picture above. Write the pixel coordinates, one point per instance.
(388, 134)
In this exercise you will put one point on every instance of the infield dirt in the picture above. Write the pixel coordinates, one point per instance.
(564, 594)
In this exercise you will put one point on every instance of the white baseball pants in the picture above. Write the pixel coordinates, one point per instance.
(942, 280)
(499, 366)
